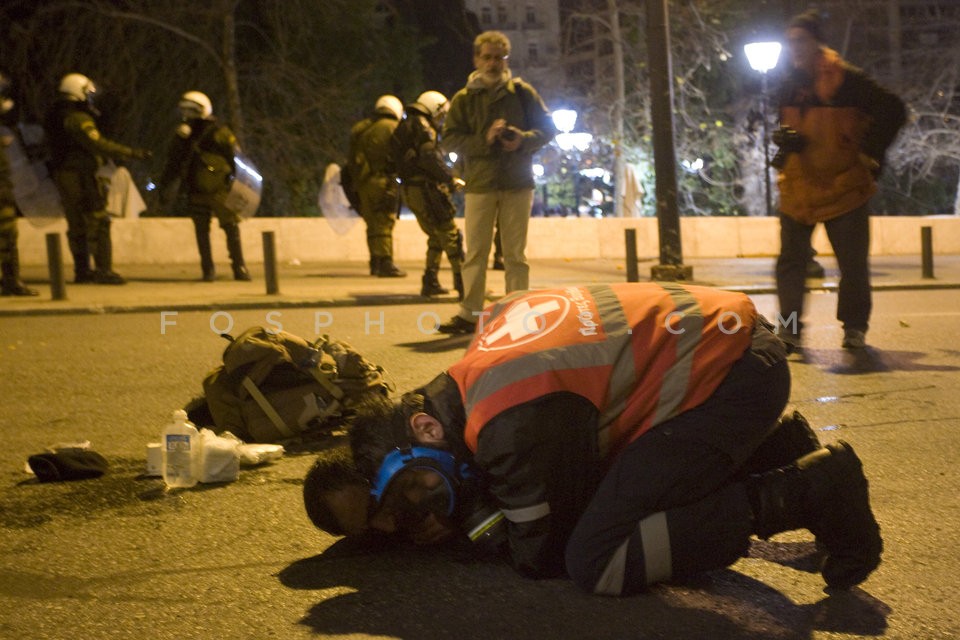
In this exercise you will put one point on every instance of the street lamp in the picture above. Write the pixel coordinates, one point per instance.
(565, 120)
(763, 57)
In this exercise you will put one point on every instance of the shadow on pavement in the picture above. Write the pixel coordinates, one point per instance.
(428, 594)
(441, 345)
(870, 360)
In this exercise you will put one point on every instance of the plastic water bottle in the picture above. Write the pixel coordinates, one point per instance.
(181, 452)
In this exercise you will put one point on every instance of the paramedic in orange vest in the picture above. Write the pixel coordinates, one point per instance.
(629, 434)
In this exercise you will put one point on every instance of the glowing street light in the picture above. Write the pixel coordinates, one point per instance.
(565, 120)
(763, 57)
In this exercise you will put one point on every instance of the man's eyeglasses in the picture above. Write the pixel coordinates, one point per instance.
(487, 57)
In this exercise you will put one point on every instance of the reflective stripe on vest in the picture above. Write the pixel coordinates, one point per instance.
(687, 324)
(640, 353)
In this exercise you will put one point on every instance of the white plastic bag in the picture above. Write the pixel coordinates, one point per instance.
(254, 454)
(219, 457)
(123, 197)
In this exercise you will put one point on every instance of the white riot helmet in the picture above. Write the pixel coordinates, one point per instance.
(77, 87)
(389, 106)
(194, 104)
(435, 103)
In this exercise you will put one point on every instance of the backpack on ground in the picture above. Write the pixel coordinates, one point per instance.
(275, 386)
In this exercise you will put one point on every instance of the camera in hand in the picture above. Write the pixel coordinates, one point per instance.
(508, 135)
(789, 141)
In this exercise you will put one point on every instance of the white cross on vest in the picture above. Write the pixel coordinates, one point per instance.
(524, 321)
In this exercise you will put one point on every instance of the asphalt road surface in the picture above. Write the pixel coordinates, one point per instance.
(120, 557)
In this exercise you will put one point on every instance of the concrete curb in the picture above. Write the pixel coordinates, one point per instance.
(375, 300)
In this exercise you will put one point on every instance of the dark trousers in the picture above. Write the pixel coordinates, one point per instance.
(849, 236)
(88, 224)
(201, 216)
(435, 214)
(688, 468)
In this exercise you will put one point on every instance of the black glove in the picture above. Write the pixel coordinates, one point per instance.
(68, 464)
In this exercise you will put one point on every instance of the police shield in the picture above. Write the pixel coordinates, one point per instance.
(33, 190)
(244, 196)
(333, 202)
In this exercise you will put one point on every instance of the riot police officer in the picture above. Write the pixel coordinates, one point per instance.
(371, 185)
(10, 285)
(202, 161)
(426, 184)
(77, 151)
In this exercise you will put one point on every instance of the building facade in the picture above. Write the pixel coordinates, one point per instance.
(533, 27)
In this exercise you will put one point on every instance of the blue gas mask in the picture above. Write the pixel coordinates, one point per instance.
(457, 497)
(444, 498)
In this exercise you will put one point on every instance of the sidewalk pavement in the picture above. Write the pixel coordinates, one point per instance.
(333, 284)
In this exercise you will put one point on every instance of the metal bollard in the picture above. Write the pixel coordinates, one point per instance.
(633, 266)
(926, 251)
(58, 290)
(270, 263)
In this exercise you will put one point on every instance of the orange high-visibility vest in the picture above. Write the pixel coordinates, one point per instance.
(641, 353)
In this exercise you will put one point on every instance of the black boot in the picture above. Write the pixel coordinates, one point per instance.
(815, 269)
(458, 285)
(431, 284)
(235, 249)
(790, 439)
(240, 272)
(387, 269)
(202, 232)
(82, 273)
(10, 284)
(374, 265)
(457, 326)
(825, 492)
(103, 256)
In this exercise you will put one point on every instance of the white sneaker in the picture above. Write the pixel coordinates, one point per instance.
(854, 339)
